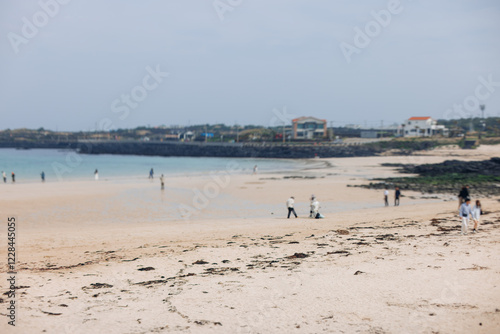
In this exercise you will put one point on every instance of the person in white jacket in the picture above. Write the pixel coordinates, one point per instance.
(289, 204)
(313, 198)
(465, 213)
(476, 215)
(315, 208)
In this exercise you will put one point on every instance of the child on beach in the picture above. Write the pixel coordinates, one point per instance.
(162, 181)
(476, 215)
(386, 197)
(96, 175)
(4, 177)
(465, 213)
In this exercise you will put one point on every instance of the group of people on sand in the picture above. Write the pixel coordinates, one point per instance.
(162, 178)
(466, 212)
(314, 208)
(397, 195)
(4, 176)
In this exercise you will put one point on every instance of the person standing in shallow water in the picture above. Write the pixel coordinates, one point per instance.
(397, 194)
(4, 177)
(151, 173)
(13, 177)
(162, 181)
(42, 175)
(96, 175)
(289, 204)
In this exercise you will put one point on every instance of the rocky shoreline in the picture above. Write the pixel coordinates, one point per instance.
(483, 177)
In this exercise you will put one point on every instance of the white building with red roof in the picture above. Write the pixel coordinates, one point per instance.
(422, 126)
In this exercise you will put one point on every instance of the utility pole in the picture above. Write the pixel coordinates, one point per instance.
(482, 107)
(283, 132)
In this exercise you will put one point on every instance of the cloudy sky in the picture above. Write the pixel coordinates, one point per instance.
(78, 65)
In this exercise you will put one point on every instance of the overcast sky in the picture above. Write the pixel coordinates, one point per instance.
(88, 63)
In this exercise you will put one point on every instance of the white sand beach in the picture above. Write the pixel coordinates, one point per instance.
(124, 257)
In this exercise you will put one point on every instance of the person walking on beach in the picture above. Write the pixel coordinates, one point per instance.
(151, 173)
(289, 205)
(386, 197)
(4, 177)
(465, 213)
(96, 174)
(476, 215)
(397, 194)
(463, 195)
(255, 169)
(13, 177)
(42, 175)
(162, 181)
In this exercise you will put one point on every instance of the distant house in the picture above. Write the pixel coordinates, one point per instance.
(309, 128)
(422, 127)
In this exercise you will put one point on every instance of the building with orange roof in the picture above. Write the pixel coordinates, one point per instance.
(309, 128)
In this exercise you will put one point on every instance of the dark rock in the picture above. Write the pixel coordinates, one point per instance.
(298, 256)
(98, 286)
(146, 269)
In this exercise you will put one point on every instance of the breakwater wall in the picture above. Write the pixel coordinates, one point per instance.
(244, 150)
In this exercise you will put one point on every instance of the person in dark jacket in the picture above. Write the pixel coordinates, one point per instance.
(463, 195)
(397, 195)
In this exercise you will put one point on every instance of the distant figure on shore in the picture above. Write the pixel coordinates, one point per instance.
(386, 197)
(4, 177)
(96, 175)
(289, 205)
(255, 168)
(463, 195)
(42, 175)
(13, 177)
(151, 173)
(162, 181)
(465, 213)
(313, 198)
(397, 195)
(476, 215)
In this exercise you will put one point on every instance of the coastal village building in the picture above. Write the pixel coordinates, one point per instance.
(422, 127)
(308, 128)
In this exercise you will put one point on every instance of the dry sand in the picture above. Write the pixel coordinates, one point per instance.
(123, 257)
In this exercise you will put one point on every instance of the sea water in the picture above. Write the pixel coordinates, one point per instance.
(67, 165)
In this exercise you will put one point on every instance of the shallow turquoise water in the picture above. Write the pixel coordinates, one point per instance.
(60, 165)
